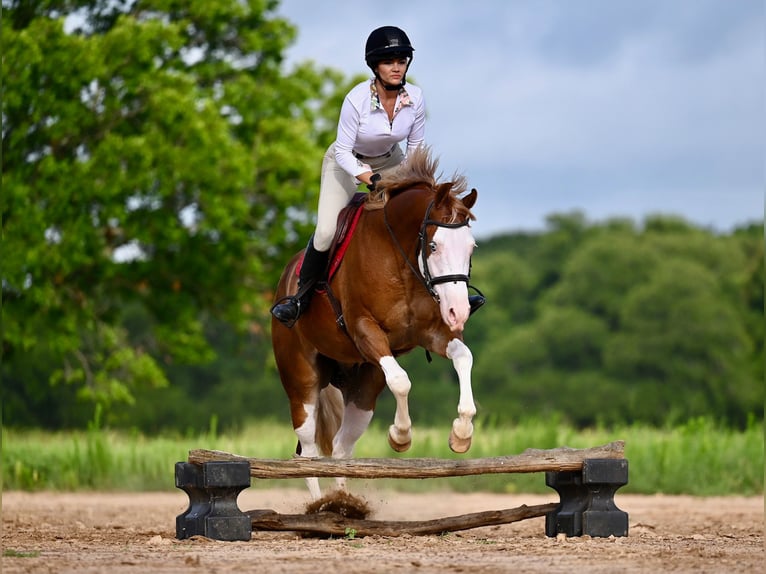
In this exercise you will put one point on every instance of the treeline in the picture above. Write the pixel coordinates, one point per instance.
(586, 323)
(618, 322)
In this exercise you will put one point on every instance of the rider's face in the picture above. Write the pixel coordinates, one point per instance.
(392, 71)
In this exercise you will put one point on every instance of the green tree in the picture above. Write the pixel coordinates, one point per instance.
(751, 286)
(597, 276)
(564, 233)
(546, 366)
(682, 346)
(508, 282)
(155, 155)
(644, 325)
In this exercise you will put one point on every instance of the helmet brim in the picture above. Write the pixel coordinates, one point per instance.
(380, 54)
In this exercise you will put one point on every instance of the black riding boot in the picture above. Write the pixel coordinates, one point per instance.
(314, 265)
(477, 301)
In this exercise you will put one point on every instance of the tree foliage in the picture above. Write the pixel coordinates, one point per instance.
(155, 154)
(643, 324)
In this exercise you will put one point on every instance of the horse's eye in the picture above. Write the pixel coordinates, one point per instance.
(432, 246)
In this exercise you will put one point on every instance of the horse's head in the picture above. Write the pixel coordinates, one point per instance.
(445, 239)
(446, 248)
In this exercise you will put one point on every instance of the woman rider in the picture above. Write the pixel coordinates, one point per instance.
(376, 116)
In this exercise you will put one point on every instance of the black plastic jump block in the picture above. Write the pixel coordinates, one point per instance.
(587, 500)
(213, 488)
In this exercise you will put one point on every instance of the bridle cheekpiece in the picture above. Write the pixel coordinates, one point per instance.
(425, 277)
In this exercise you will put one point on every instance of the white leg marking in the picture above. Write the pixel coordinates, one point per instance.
(355, 422)
(306, 435)
(462, 360)
(399, 383)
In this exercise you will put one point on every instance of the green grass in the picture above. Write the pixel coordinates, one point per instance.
(11, 553)
(697, 458)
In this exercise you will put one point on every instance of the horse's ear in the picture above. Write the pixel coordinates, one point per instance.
(470, 199)
(442, 192)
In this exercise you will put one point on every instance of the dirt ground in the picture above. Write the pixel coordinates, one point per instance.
(130, 533)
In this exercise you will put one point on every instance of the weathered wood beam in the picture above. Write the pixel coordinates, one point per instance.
(334, 524)
(531, 460)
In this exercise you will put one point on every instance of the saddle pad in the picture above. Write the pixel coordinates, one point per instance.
(347, 220)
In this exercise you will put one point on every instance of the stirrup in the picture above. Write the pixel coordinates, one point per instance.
(292, 300)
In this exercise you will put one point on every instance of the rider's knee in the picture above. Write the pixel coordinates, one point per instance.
(323, 236)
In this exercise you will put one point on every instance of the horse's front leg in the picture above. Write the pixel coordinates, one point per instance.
(399, 433)
(373, 344)
(462, 427)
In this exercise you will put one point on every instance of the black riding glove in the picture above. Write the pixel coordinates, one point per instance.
(373, 181)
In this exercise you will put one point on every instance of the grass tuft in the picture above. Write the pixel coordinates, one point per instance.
(11, 553)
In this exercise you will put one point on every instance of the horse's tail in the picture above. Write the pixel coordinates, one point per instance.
(329, 415)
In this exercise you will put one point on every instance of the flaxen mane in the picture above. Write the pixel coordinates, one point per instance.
(419, 170)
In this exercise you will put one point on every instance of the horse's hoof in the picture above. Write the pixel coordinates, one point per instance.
(398, 446)
(457, 444)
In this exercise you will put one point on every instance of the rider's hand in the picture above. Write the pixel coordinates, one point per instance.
(364, 177)
(374, 179)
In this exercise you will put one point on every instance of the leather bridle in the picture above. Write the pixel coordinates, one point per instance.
(426, 278)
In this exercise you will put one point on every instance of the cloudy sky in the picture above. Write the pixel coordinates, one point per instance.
(612, 107)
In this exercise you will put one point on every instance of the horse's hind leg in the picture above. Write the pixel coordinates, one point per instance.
(361, 386)
(304, 415)
(301, 375)
(355, 422)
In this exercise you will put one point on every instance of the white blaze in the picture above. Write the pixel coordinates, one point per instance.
(449, 253)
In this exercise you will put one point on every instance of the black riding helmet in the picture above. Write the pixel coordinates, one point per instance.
(385, 43)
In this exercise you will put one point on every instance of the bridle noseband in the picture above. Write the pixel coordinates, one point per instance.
(426, 278)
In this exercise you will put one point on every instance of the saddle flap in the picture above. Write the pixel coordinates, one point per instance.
(347, 220)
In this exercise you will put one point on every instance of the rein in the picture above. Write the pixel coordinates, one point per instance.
(426, 278)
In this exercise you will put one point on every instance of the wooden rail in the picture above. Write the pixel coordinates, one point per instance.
(337, 525)
(531, 460)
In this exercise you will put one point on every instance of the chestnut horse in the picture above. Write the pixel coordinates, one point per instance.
(402, 283)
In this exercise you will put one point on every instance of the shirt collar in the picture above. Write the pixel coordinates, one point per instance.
(402, 100)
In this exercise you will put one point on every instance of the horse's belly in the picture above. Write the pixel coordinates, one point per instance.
(320, 327)
(339, 349)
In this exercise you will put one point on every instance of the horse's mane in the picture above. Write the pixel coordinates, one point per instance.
(418, 171)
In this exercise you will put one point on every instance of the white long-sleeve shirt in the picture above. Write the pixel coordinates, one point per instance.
(364, 127)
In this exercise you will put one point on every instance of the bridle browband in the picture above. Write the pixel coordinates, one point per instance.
(426, 278)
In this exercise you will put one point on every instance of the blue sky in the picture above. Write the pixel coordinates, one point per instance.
(618, 108)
